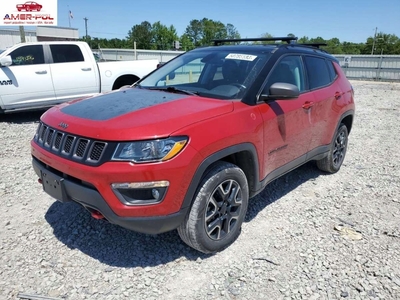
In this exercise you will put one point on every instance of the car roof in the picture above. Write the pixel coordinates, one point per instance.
(267, 48)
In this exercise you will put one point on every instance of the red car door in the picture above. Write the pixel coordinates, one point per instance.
(286, 122)
(322, 82)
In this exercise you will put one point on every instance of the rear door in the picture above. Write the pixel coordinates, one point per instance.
(74, 75)
(286, 123)
(27, 83)
(321, 77)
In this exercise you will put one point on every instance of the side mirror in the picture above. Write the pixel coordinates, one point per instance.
(6, 61)
(281, 91)
(171, 76)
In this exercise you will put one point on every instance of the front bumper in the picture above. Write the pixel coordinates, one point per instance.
(66, 190)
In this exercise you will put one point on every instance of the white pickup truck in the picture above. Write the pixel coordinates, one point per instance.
(43, 74)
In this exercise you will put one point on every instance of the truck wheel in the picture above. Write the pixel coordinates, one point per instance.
(334, 160)
(217, 213)
(124, 80)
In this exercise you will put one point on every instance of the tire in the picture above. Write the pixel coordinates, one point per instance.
(123, 81)
(218, 210)
(335, 158)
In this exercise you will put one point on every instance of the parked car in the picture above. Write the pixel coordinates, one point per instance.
(187, 146)
(43, 74)
(29, 6)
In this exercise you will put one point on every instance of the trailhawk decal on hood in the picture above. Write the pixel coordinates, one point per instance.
(114, 104)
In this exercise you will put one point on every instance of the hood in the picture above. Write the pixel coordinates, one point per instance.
(133, 114)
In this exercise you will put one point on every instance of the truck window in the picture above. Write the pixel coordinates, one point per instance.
(66, 53)
(28, 55)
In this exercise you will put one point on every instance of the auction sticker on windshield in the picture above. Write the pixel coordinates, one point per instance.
(238, 56)
(29, 13)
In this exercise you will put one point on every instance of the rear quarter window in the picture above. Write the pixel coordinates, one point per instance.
(317, 71)
(331, 69)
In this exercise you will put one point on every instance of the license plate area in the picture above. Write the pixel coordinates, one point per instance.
(54, 186)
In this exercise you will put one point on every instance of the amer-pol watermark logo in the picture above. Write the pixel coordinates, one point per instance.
(28, 13)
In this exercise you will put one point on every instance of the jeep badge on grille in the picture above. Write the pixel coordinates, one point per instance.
(63, 125)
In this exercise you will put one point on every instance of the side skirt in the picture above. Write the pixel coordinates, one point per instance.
(315, 154)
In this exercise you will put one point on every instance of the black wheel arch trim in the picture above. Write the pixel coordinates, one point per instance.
(251, 171)
(342, 117)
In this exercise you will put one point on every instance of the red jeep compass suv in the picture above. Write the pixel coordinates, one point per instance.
(188, 145)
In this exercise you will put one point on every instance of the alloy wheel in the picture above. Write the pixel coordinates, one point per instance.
(340, 148)
(223, 209)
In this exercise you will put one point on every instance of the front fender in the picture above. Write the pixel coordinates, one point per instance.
(252, 170)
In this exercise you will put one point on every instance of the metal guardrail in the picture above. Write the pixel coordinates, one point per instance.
(371, 67)
(368, 67)
(139, 54)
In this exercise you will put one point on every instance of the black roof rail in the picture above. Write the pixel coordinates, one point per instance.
(314, 45)
(287, 39)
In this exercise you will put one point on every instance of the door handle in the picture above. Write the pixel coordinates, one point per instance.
(86, 69)
(41, 72)
(308, 104)
(338, 95)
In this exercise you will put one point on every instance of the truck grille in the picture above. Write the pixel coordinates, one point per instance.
(70, 146)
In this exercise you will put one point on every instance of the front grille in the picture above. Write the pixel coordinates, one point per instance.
(69, 140)
(96, 151)
(49, 136)
(70, 146)
(57, 141)
(81, 147)
(42, 131)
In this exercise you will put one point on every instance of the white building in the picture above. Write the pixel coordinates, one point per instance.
(11, 36)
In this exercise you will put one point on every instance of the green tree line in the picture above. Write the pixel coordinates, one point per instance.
(158, 36)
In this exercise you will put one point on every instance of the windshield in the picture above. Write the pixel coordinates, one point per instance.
(221, 74)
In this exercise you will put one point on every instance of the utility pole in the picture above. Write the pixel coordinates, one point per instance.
(86, 19)
(373, 44)
(22, 34)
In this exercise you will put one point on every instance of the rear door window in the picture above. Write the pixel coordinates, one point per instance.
(317, 71)
(66, 53)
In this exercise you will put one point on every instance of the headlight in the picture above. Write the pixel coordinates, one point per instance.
(150, 151)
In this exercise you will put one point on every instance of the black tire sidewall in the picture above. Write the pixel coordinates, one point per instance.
(341, 128)
(207, 188)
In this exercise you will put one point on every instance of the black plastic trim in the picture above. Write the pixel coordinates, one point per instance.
(125, 198)
(317, 153)
(342, 117)
(201, 170)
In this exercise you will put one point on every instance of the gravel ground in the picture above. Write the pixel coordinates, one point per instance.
(306, 236)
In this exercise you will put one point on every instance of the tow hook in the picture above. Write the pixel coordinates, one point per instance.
(97, 215)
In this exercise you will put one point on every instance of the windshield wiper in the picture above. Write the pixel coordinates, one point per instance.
(172, 89)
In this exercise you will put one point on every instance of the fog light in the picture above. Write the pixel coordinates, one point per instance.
(155, 193)
(140, 193)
